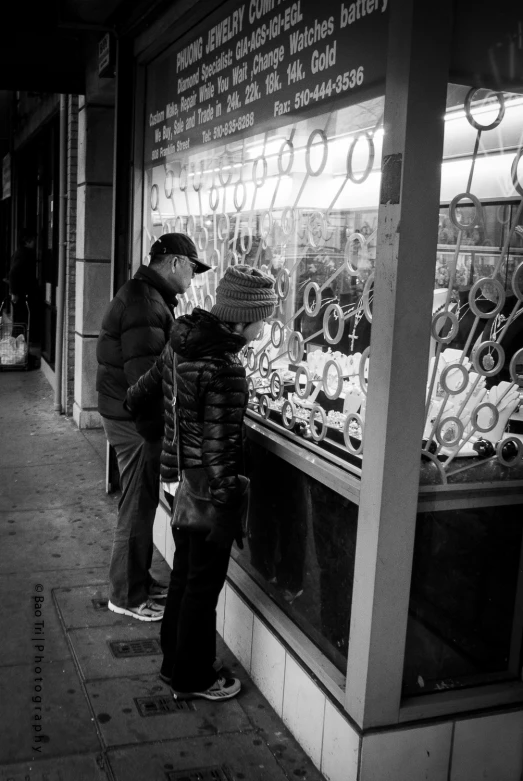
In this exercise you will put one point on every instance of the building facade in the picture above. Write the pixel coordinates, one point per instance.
(371, 162)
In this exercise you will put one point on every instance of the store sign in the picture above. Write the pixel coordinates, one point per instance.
(254, 66)
(106, 57)
(6, 177)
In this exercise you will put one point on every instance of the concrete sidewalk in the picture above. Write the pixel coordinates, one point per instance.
(80, 697)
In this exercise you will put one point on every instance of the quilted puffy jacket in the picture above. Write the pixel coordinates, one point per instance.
(135, 329)
(212, 398)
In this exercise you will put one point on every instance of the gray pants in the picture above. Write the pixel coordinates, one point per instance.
(139, 467)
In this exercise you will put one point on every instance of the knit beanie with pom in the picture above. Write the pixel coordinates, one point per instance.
(244, 295)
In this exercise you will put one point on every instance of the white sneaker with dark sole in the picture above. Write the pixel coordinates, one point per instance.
(147, 611)
(222, 689)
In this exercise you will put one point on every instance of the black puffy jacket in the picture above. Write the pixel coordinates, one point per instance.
(135, 329)
(212, 398)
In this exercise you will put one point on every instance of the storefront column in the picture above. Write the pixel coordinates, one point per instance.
(417, 75)
(94, 241)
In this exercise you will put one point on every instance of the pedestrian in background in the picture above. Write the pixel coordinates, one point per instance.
(210, 385)
(135, 329)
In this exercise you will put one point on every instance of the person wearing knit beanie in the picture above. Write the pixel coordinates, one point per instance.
(244, 295)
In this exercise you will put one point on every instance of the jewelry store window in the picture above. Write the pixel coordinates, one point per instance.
(265, 147)
(300, 203)
(466, 605)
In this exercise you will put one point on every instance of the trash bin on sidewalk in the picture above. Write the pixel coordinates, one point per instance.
(14, 339)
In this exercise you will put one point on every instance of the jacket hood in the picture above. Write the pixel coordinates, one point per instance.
(202, 335)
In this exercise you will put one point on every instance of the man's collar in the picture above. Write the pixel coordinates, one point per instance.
(157, 281)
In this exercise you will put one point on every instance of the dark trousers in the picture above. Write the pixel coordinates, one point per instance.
(139, 467)
(188, 633)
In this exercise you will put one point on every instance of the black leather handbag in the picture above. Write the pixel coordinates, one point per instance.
(192, 506)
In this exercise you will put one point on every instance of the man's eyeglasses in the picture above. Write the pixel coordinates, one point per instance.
(192, 264)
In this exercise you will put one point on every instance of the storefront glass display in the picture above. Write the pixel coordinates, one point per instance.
(465, 621)
(263, 142)
(300, 547)
(465, 603)
(300, 203)
(476, 362)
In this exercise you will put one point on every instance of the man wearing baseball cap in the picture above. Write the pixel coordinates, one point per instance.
(135, 328)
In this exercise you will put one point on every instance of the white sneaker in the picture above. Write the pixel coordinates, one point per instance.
(222, 689)
(147, 611)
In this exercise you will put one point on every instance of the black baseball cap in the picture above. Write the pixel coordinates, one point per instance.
(178, 244)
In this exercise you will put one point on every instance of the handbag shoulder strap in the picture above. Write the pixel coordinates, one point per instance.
(176, 417)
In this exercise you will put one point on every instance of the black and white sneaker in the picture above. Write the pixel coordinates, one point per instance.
(222, 689)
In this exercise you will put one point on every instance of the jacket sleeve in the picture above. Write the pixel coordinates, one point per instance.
(147, 389)
(144, 329)
(222, 446)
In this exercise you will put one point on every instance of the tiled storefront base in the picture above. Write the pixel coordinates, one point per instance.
(488, 747)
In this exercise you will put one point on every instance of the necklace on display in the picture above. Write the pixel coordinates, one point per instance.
(352, 336)
(498, 324)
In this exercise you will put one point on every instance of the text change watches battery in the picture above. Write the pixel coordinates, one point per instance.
(335, 311)
(329, 366)
(352, 418)
(318, 412)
